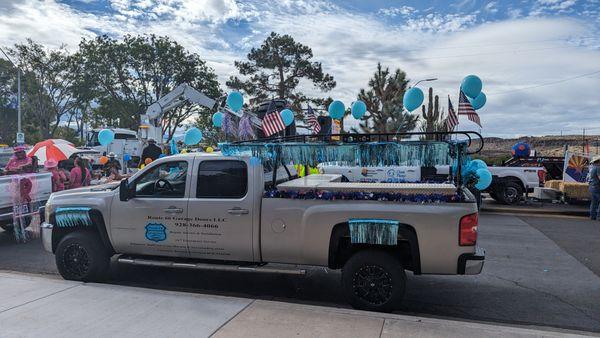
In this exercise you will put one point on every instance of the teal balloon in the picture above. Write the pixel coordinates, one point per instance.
(192, 136)
(358, 109)
(287, 116)
(484, 178)
(336, 110)
(217, 119)
(235, 101)
(105, 137)
(477, 164)
(413, 98)
(479, 101)
(471, 85)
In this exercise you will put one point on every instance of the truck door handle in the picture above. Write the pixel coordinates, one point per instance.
(173, 210)
(238, 211)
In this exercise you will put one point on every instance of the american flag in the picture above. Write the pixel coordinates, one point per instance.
(452, 120)
(311, 120)
(272, 123)
(465, 108)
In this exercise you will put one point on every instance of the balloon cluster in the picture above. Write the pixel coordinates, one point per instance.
(337, 109)
(475, 171)
(471, 85)
(520, 150)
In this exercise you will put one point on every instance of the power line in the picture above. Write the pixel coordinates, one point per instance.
(546, 84)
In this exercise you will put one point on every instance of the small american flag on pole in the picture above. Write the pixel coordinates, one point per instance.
(452, 120)
(465, 108)
(311, 120)
(272, 123)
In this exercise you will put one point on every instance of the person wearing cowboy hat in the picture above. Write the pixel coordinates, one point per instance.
(58, 177)
(151, 151)
(594, 181)
(112, 162)
(19, 162)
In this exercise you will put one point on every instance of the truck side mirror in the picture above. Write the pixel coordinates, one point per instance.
(124, 191)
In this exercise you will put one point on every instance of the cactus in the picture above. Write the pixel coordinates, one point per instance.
(433, 119)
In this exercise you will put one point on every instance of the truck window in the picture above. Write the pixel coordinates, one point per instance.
(166, 180)
(222, 179)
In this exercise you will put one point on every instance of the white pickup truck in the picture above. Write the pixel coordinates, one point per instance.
(509, 184)
(210, 211)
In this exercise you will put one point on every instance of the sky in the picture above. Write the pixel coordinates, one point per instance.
(539, 60)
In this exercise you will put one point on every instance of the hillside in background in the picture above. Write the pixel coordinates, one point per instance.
(497, 149)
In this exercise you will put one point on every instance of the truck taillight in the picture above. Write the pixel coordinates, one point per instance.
(467, 234)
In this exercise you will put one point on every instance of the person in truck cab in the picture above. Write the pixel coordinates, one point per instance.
(595, 188)
(151, 151)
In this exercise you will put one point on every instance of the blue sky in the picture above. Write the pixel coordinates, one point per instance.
(539, 59)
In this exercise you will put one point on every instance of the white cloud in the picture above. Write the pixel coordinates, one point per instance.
(507, 55)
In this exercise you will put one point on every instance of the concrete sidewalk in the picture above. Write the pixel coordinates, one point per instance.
(38, 306)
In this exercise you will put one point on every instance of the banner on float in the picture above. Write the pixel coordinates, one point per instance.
(576, 167)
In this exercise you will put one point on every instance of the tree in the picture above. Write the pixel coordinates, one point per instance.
(131, 74)
(47, 84)
(8, 100)
(433, 119)
(275, 69)
(384, 103)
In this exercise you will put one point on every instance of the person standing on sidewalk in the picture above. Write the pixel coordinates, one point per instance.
(595, 188)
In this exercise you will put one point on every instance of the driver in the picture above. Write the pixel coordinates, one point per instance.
(19, 162)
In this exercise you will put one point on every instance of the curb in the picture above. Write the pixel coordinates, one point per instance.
(536, 212)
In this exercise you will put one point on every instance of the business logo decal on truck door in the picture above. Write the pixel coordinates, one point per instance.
(156, 232)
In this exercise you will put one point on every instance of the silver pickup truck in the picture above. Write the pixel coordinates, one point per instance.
(210, 211)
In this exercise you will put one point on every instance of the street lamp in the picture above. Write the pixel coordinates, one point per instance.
(18, 96)
(425, 80)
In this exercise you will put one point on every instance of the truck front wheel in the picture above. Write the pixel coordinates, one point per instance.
(81, 256)
(373, 280)
(509, 192)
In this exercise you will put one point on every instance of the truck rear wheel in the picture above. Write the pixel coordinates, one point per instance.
(373, 280)
(81, 256)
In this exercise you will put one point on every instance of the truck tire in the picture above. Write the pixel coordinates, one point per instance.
(373, 280)
(509, 192)
(81, 256)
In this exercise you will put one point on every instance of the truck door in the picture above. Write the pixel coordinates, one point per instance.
(154, 221)
(221, 211)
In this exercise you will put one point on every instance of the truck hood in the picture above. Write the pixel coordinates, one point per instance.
(87, 190)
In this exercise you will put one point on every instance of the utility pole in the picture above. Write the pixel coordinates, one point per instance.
(18, 100)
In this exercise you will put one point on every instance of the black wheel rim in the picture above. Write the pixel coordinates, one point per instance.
(372, 284)
(76, 260)
(511, 194)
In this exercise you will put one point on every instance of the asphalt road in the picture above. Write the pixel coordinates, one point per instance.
(542, 271)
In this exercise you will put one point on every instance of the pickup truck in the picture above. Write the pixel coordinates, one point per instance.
(509, 184)
(217, 212)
